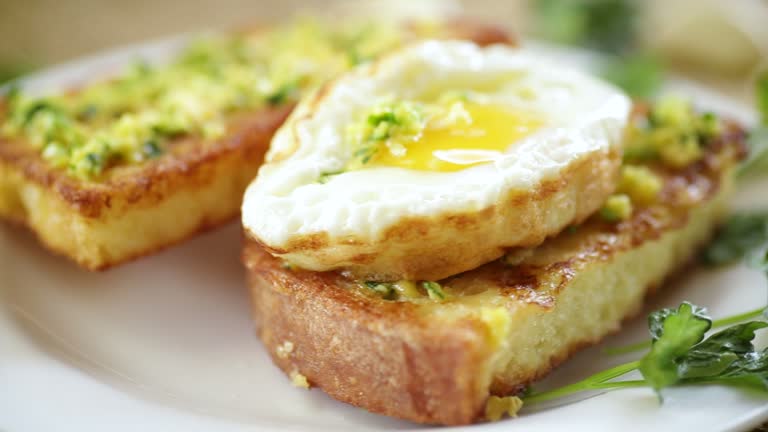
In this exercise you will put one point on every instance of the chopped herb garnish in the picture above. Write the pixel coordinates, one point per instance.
(282, 94)
(391, 126)
(434, 290)
(383, 289)
(387, 124)
(151, 148)
(94, 162)
(192, 95)
(88, 112)
(327, 176)
(617, 207)
(38, 107)
(673, 132)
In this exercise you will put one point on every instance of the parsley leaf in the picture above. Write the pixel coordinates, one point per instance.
(741, 234)
(681, 355)
(728, 357)
(674, 333)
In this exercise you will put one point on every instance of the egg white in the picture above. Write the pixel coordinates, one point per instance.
(582, 115)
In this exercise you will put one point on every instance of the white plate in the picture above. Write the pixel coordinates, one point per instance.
(167, 343)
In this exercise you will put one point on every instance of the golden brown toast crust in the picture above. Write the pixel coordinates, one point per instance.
(406, 359)
(150, 182)
(191, 167)
(191, 172)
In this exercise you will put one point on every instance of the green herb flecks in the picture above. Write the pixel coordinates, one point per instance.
(325, 177)
(383, 289)
(388, 124)
(672, 132)
(282, 95)
(132, 116)
(434, 290)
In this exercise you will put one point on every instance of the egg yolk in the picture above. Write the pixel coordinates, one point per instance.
(491, 131)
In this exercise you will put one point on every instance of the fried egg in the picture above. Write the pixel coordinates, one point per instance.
(435, 160)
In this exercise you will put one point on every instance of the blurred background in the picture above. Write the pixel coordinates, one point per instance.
(722, 43)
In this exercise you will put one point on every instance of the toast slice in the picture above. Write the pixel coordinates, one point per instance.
(502, 325)
(134, 210)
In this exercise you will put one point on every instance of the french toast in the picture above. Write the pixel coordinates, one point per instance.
(131, 210)
(494, 329)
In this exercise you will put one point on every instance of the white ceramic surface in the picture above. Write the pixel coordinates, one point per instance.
(166, 343)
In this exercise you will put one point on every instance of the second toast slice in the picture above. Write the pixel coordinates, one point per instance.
(436, 358)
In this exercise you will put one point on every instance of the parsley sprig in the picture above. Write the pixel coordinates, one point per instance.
(680, 354)
(741, 234)
(719, 323)
(679, 351)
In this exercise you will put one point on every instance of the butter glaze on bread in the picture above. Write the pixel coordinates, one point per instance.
(438, 362)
